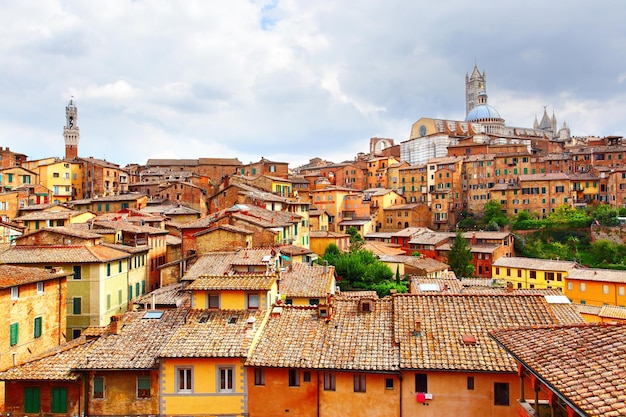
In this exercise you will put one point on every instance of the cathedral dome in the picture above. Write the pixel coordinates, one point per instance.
(482, 112)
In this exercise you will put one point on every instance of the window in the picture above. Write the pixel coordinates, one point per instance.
(605, 289)
(108, 270)
(253, 301)
(359, 382)
(37, 327)
(77, 272)
(501, 393)
(533, 274)
(421, 383)
(15, 293)
(620, 291)
(76, 333)
(470, 382)
(183, 380)
(549, 276)
(32, 400)
(294, 378)
(76, 305)
(314, 301)
(98, 387)
(40, 287)
(519, 273)
(570, 286)
(213, 301)
(14, 334)
(389, 383)
(119, 266)
(583, 287)
(508, 272)
(330, 381)
(59, 400)
(225, 379)
(259, 376)
(306, 376)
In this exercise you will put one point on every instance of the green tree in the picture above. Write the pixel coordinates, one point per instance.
(460, 257)
(606, 216)
(361, 269)
(493, 213)
(356, 240)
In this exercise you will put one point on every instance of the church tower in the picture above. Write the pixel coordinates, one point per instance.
(71, 134)
(474, 86)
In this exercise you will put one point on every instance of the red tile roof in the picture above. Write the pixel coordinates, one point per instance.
(586, 364)
(214, 333)
(56, 255)
(429, 328)
(304, 280)
(18, 275)
(350, 340)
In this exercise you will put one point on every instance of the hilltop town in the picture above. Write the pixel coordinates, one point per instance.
(199, 286)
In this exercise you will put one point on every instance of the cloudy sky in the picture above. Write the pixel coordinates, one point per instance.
(290, 80)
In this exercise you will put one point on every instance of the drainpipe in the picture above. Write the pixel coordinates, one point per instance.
(60, 304)
(400, 380)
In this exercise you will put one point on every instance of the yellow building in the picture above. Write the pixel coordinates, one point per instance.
(60, 176)
(304, 284)
(531, 272)
(54, 218)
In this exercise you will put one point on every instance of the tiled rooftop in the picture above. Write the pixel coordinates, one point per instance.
(220, 263)
(244, 282)
(534, 263)
(304, 280)
(436, 342)
(19, 275)
(214, 333)
(600, 275)
(56, 255)
(169, 296)
(138, 343)
(585, 363)
(351, 340)
(53, 365)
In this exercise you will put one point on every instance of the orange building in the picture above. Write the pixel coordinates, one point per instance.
(297, 361)
(596, 286)
(449, 365)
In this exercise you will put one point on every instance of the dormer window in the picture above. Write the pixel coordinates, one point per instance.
(323, 311)
(253, 301)
(213, 301)
(232, 320)
(365, 306)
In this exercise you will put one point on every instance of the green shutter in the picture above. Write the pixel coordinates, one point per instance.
(59, 400)
(14, 334)
(37, 331)
(76, 306)
(31, 400)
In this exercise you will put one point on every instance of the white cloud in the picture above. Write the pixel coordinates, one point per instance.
(292, 80)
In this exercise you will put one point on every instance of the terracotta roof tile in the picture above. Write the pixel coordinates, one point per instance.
(220, 263)
(534, 263)
(18, 275)
(53, 365)
(351, 339)
(60, 254)
(580, 361)
(429, 328)
(172, 295)
(304, 280)
(600, 275)
(138, 343)
(214, 333)
(245, 282)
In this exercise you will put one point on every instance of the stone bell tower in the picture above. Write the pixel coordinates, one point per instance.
(71, 134)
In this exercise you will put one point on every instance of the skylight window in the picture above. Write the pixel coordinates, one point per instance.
(153, 314)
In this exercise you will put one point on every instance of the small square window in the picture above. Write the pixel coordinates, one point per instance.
(389, 383)
(306, 376)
